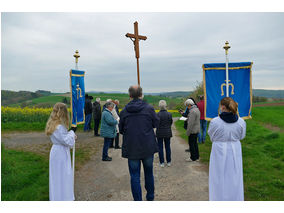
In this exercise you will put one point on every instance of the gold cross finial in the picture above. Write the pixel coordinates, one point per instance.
(226, 47)
(76, 55)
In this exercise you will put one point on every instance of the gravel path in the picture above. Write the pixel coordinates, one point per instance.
(102, 181)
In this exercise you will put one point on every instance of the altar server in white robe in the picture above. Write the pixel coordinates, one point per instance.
(226, 166)
(61, 186)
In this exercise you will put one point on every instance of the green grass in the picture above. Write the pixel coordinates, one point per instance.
(273, 115)
(263, 160)
(24, 176)
(22, 126)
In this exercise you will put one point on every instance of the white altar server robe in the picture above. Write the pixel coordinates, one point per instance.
(226, 166)
(60, 170)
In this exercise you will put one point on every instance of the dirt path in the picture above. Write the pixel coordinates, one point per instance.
(102, 181)
(98, 180)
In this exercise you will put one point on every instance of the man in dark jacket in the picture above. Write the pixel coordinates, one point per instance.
(88, 113)
(137, 121)
(97, 114)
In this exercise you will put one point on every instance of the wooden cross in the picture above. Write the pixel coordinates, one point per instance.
(136, 38)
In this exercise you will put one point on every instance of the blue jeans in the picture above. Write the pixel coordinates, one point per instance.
(107, 142)
(202, 133)
(134, 170)
(167, 147)
(87, 122)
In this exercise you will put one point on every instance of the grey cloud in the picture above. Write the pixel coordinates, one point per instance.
(37, 48)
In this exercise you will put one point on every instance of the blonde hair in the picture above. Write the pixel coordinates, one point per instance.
(230, 104)
(162, 104)
(59, 115)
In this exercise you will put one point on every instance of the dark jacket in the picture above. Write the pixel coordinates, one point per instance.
(88, 106)
(137, 121)
(164, 129)
(97, 114)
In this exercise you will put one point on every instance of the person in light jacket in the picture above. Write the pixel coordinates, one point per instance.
(193, 128)
(60, 170)
(164, 133)
(108, 129)
(225, 165)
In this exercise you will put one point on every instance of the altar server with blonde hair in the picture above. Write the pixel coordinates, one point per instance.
(61, 186)
(226, 166)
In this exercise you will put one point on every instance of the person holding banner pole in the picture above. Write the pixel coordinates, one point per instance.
(61, 176)
(225, 165)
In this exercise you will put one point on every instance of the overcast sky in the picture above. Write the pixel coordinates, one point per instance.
(37, 49)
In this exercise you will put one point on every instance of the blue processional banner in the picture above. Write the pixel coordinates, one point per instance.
(240, 87)
(77, 97)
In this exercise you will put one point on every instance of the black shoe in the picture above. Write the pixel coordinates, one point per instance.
(107, 159)
(97, 135)
(111, 147)
(187, 150)
(117, 147)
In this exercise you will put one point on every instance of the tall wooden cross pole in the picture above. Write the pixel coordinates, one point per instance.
(136, 38)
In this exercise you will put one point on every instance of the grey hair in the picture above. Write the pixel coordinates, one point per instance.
(109, 104)
(116, 100)
(162, 104)
(98, 99)
(189, 102)
(108, 100)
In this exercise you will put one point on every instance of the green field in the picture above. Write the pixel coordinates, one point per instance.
(263, 155)
(273, 115)
(123, 99)
(24, 176)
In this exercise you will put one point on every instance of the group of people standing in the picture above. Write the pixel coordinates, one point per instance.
(136, 122)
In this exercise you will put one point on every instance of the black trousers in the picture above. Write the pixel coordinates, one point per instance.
(96, 126)
(116, 141)
(193, 147)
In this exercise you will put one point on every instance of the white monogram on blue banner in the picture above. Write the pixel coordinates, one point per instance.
(77, 97)
(240, 87)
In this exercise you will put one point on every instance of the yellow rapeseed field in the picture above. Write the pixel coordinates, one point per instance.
(17, 114)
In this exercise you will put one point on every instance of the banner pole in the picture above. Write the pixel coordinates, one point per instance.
(227, 77)
(76, 55)
(227, 47)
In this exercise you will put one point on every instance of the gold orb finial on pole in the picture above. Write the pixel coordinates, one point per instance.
(227, 47)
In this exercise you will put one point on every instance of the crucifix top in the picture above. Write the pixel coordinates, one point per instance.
(136, 38)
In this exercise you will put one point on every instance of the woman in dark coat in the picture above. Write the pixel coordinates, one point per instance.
(164, 133)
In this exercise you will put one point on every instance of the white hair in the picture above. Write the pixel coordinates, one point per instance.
(162, 104)
(98, 99)
(116, 100)
(108, 100)
(109, 104)
(189, 102)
